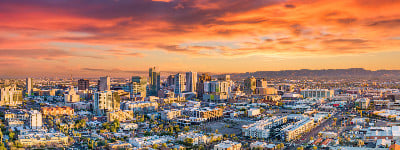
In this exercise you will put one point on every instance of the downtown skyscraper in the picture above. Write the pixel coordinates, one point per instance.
(154, 81)
(191, 81)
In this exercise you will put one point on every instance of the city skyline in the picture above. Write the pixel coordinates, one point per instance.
(65, 37)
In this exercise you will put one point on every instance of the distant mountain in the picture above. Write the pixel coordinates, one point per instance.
(329, 74)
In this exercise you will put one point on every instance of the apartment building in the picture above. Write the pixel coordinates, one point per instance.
(261, 128)
(121, 115)
(294, 131)
(170, 114)
(54, 111)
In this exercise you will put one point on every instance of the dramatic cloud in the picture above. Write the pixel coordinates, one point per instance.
(145, 32)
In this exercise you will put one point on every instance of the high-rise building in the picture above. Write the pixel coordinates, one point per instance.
(179, 83)
(138, 86)
(35, 119)
(29, 86)
(104, 83)
(250, 85)
(10, 96)
(154, 80)
(106, 101)
(191, 81)
(83, 84)
(200, 84)
(171, 80)
(261, 82)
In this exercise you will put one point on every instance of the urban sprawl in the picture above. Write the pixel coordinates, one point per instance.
(199, 111)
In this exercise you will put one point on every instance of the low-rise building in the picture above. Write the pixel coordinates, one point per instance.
(122, 115)
(54, 111)
(294, 131)
(228, 145)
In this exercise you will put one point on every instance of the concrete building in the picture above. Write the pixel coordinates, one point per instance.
(207, 113)
(253, 112)
(83, 84)
(54, 111)
(104, 83)
(10, 96)
(170, 114)
(294, 131)
(106, 101)
(261, 128)
(35, 119)
(317, 93)
(261, 83)
(121, 115)
(138, 86)
(140, 106)
(37, 137)
(71, 97)
(228, 145)
(191, 81)
(363, 103)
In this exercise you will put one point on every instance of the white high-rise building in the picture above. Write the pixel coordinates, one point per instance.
(191, 81)
(179, 83)
(104, 83)
(35, 119)
(29, 86)
(106, 101)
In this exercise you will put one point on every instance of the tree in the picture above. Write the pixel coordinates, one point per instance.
(216, 131)
(11, 135)
(186, 128)
(164, 145)
(155, 146)
(311, 138)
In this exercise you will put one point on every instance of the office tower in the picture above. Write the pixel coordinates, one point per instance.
(10, 96)
(71, 97)
(200, 84)
(104, 83)
(191, 81)
(250, 85)
(171, 80)
(261, 82)
(154, 80)
(179, 83)
(29, 86)
(226, 77)
(106, 101)
(138, 86)
(35, 119)
(83, 84)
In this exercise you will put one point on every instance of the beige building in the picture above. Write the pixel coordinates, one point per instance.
(10, 96)
(294, 131)
(228, 145)
(170, 114)
(41, 137)
(122, 115)
(71, 97)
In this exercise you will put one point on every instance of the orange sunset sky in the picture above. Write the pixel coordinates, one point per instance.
(75, 36)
